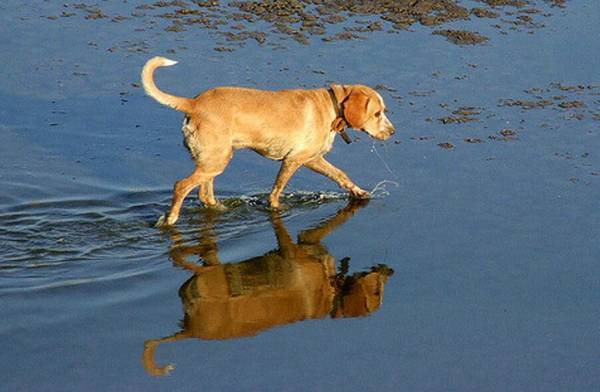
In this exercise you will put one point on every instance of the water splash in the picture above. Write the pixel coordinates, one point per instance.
(380, 190)
(296, 199)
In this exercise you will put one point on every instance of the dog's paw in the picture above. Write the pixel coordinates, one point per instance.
(163, 222)
(281, 207)
(278, 206)
(218, 206)
(359, 193)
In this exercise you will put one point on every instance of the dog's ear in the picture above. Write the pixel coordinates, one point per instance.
(355, 109)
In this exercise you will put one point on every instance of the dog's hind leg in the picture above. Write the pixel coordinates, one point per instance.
(180, 190)
(214, 163)
(206, 170)
(206, 194)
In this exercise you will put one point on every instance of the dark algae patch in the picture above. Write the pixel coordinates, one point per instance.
(473, 140)
(462, 37)
(461, 115)
(504, 135)
(574, 100)
(496, 3)
(571, 104)
(527, 104)
(484, 13)
(302, 20)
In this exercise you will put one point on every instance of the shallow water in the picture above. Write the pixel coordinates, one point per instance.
(493, 242)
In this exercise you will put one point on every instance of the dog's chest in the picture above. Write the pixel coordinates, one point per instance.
(328, 143)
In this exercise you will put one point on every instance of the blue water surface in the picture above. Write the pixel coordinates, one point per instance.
(494, 244)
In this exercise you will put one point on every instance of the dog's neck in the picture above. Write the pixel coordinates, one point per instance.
(339, 124)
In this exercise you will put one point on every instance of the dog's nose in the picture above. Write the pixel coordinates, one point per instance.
(392, 130)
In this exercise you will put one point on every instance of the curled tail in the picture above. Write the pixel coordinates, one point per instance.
(178, 103)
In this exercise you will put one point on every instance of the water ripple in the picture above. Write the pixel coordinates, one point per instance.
(71, 241)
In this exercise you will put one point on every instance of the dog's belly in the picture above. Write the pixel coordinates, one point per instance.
(278, 148)
(275, 148)
(276, 154)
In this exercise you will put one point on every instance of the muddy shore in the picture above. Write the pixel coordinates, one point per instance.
(302, 21)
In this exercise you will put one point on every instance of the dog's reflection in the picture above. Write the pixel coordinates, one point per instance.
(296, 281)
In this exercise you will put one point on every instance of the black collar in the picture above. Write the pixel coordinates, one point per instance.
(339, 116)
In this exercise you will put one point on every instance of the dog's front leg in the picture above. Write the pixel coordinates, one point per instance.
(322, 166)
(287, 170)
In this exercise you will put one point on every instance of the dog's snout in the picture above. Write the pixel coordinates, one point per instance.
(391, 129)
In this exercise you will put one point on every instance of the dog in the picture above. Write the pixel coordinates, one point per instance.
(297, 127)
(296, 281)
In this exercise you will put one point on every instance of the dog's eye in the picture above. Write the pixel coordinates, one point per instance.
(378, 114)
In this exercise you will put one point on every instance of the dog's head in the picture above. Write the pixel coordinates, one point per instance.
(364, 109)
(362, 293)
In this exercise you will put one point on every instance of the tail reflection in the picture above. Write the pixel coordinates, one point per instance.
(296, 281)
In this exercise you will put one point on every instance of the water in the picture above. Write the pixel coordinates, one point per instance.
(493, 244)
